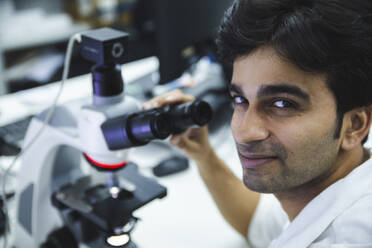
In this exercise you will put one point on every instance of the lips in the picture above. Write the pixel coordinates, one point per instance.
(254, 160)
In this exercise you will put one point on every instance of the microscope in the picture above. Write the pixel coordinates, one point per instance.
(76, 187)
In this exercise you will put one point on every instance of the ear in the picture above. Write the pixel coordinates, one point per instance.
(356, 126)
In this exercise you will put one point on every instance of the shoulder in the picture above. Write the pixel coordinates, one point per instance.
(352, 226)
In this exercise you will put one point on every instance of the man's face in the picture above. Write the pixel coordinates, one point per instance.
(284, 123)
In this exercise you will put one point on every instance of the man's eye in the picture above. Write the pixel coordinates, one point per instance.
(283, 104)
(238, 100)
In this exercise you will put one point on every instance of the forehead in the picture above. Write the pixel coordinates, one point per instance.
(264, 68)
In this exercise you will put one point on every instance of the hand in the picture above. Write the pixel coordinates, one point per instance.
(194, 141)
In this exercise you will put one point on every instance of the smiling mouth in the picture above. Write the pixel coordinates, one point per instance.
(254, 161)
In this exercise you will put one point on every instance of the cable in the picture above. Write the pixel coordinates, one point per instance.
(76, 37)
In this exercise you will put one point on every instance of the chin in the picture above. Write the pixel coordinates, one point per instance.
(263, 185)
(257, 186)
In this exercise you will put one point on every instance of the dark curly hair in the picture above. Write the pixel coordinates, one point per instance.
(329, 37)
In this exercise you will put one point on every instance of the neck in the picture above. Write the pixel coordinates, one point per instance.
(295, 200)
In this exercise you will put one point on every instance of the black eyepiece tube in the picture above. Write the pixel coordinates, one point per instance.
(139, 128)
(144, 128)
(186, 115)
(134, 130)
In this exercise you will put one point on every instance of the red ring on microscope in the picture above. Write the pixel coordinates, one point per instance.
(105, 166)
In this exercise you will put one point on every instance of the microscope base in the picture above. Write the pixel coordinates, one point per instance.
(91, 212)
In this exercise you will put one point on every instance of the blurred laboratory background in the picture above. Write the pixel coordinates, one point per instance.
(171, 46)
(34, 34)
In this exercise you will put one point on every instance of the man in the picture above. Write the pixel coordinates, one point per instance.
(302, 91)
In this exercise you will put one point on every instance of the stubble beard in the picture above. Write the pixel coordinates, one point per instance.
(294, 170)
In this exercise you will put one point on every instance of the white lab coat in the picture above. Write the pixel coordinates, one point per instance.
(339, 217)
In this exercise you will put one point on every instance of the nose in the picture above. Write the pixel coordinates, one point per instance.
(249, 127)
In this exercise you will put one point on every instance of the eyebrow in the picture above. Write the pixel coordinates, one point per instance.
(267, 90)
(234, 88)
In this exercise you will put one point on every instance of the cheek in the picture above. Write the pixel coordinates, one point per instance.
(305, 136)
(291, 139)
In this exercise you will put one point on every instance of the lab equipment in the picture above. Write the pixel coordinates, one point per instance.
(139, 128)
(74, 187)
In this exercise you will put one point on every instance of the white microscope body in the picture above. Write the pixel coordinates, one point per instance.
(55, 160)
(62, 203)
(59, 201)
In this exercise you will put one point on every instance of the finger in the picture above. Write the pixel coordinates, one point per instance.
(175, 139)
(168, 98)
(182, 142)
(195, 132)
